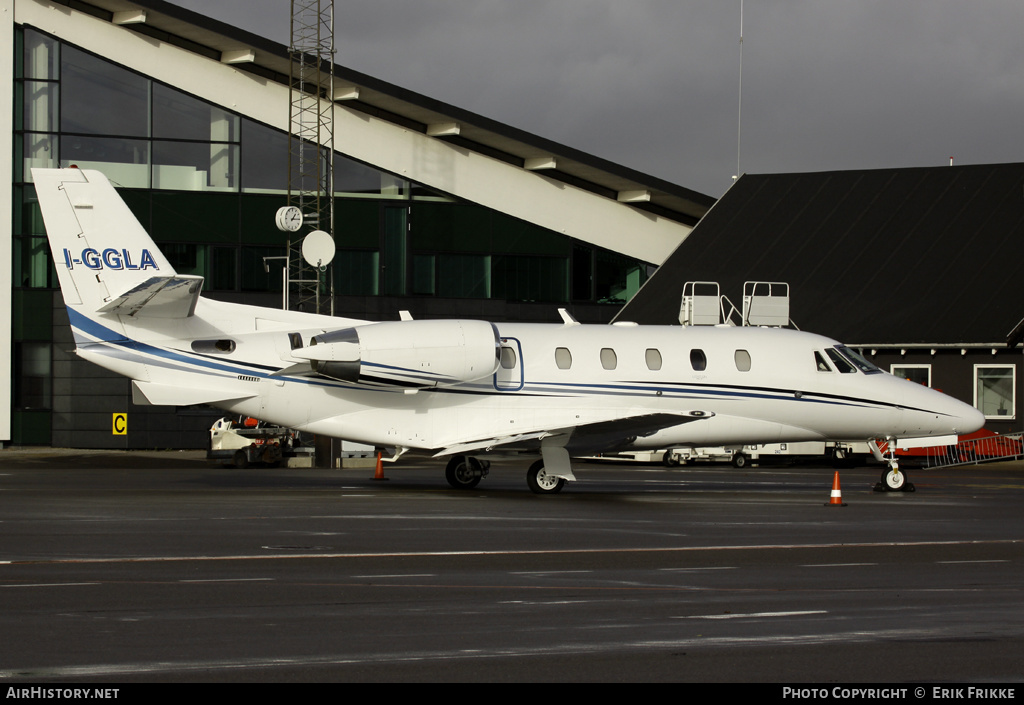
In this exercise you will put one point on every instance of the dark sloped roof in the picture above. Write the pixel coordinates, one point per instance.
(919, 255)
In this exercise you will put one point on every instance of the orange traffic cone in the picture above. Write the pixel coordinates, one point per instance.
(379, 473)
(837, 495)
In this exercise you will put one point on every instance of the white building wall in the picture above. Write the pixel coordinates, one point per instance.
(6, 205)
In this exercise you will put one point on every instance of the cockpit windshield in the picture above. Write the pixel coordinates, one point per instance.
(841, 363)
(858, 361)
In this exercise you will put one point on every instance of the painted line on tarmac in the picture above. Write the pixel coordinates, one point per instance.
(229, 580)
(42, 585)
(538, 552)
(753, 615)
(993, 560)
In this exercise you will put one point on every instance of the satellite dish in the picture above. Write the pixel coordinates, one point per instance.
(318, 249)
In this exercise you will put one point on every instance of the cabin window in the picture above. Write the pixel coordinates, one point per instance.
(608, 359)
(742, 358)
(820, 363)
(508, 358)
(563, 358)
(219, 347)
(653, 357)
(698, 360)
(841, 363)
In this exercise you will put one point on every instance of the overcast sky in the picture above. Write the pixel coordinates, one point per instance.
(654, 84)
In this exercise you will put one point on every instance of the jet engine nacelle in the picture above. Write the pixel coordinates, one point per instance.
(407, 353)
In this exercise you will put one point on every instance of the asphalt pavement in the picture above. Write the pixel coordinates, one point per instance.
(159, 567)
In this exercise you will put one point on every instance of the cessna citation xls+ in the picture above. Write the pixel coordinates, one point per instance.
(461, 388)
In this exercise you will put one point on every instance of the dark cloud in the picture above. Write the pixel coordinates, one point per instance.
(653, 84)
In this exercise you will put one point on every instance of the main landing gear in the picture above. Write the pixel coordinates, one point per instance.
(540, 482)
(464, 472)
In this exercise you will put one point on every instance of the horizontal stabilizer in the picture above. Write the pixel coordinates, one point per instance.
(151, 394)
(159, 297)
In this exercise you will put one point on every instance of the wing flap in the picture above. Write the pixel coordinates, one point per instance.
(489, 443)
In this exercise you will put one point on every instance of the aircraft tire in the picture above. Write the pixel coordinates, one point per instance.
(540, 482)
(670, 460)
(893, 480)
(739, 460)
(460, 474)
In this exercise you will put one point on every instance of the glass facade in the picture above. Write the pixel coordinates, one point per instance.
(206, 183)
(211, 178)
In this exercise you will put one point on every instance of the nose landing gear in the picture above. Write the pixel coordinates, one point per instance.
(893, 479)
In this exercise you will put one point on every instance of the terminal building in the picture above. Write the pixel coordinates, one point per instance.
(438, 211)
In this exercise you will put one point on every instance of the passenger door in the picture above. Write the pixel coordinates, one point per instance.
(510, 375)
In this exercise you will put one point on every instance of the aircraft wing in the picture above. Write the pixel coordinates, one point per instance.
(592, 436)
(159, 297)
(604, 435)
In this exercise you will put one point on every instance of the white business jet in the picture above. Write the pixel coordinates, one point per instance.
(462, 388)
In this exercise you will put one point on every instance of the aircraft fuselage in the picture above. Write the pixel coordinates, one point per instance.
(750, 385)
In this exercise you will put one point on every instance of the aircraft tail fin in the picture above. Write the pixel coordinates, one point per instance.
(106, 262)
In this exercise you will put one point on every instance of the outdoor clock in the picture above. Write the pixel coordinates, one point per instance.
(289, 218)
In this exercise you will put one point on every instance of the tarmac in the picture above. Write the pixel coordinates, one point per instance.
(159, 566)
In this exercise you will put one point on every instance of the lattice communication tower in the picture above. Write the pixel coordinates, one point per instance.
(311, 149)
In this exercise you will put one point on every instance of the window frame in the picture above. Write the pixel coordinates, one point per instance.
(1013, 390)
(912, 366)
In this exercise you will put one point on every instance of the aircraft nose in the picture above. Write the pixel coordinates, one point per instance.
(970, 421)
(935, 413)
(954, 416)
